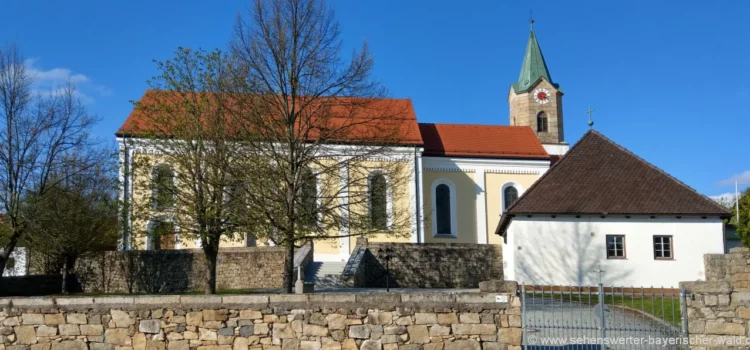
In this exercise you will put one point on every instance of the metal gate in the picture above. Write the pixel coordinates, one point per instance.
(563, 317)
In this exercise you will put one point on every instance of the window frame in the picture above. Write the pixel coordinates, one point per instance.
(671, 247)
(519, 190)
(624, 247)
(453, 208)
(151, 225)
(155, 190)
(388, 198)
(542, 116)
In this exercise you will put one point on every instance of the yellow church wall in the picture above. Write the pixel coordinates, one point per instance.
(466, 198)
(494, 183)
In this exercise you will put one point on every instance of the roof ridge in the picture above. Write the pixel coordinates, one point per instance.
(647, 163)
(481, 125)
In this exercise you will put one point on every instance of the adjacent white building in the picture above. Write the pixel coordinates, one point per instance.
(603, 214)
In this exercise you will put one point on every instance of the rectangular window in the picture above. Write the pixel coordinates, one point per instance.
(663, 247)
(615, 247)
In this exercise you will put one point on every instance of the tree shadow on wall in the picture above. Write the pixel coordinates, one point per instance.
(158, 271)
(578, 265)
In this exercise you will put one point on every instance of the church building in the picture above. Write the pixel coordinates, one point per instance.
(464, 178)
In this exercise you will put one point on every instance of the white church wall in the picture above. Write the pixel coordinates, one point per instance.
(570, 251)
(556, 148)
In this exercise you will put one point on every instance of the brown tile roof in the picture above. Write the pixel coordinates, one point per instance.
(354, 120)
(600, 177)
(468, 140)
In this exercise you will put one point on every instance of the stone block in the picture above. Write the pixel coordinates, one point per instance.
(54, 319)
(425, 318)
(725, 328)
(104, 346)
(309, 345)
(438, 330)
(25, 335)
(707, 287)
(433, 346)
(247, 331)
(510, 336)
(70, 329)
(465, 344)
(194, 318)
(32, 319)
(370, 344)
(45, 346)
(312, 330)
(329, 344)
(70, 345)
(260, 329)
(469, 317)
(418, 334)
(380, 317)
(447, 318)
(117, 336)
(349, 344)
(226, 331)
(397, 330)
(149, 326)
(91, 329)
(492, 345)
(121, 318)
(240, 343)
(336, 321)
(35, 302)
(178, 345)
(290, 344)
(283, 331)
(245, 299)
(155, 345)
(359, 332)
(76, 318)
(404, 321)
(47, 331)
(215, 315)
(250, 315)
(474, 329)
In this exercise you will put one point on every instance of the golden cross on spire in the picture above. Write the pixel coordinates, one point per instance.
(590, 112)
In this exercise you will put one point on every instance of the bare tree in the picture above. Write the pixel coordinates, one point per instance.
(187, 181)
(324, 138)
(38, 132)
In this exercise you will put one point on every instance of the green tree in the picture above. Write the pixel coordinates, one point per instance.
(743, 225)
(73, 218)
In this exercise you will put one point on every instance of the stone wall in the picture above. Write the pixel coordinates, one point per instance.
(718, 309)
(342, 321)
(427, 265)
(171, 271)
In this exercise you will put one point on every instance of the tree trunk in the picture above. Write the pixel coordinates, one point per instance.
(289, 274)
(211, 253)
(70, 262)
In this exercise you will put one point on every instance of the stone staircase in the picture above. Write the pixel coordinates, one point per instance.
(325, 274)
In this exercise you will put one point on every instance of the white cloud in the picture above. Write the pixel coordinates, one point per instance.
(741, 179)
(52, 80)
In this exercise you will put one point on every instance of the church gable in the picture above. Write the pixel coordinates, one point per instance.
(599, 177)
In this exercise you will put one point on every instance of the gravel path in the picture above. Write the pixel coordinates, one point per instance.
(548, 319)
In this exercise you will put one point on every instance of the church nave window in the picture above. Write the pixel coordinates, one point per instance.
(443, 209)
(510, 195)
(541, 122)
(378, 201)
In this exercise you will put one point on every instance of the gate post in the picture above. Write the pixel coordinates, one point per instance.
(683, 313)
(523, 315)
(602, 321)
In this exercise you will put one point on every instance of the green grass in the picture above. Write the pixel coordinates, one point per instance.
(665, 308)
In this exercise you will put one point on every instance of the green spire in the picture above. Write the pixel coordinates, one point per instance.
(533, 66)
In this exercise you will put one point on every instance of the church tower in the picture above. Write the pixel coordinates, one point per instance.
(535, 100)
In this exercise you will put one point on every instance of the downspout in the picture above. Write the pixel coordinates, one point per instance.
(418, 210)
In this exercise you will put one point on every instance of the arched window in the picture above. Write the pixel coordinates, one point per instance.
(541, 122)
(308, 208)
(444, 221)
(161, 235)
(378, 196)
(162, 187)
(443, 209)
(510, 195)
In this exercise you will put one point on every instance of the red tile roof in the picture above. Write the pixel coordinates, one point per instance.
(467, 140)
(353, 120)
(600, 177)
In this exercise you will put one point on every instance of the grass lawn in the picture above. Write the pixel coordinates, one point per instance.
(666, 308)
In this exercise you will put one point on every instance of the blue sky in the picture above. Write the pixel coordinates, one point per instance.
(669, 80)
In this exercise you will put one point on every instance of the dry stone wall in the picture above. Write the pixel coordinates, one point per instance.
(718, 309)
(182, 270)
(425, 265)
(342, 321)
